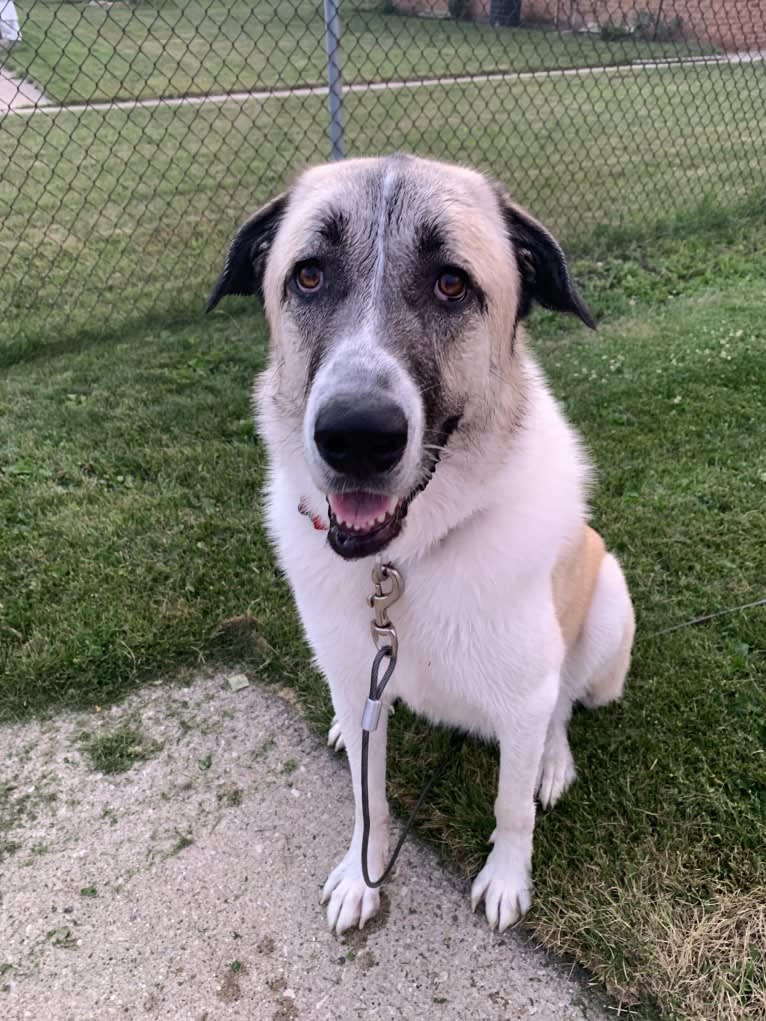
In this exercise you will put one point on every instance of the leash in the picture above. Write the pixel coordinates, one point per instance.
(370, 723)
(709, 616)
(387, 644)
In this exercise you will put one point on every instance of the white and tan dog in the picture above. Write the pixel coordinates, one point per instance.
(404, 414)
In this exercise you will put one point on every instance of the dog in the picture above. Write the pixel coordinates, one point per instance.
(406, 421)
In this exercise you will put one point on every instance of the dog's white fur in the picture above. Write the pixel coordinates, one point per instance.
(481, 639)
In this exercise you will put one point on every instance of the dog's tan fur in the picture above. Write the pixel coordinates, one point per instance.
(574, 581)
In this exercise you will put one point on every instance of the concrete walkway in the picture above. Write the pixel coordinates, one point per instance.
(188, 886)
(17, 95)
(261, 95)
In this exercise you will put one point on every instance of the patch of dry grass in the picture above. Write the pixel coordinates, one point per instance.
(698, 960)
(722, 952)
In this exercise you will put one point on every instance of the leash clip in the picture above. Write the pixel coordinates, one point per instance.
(388, 589)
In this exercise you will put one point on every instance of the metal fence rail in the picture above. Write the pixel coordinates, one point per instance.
(135, 136)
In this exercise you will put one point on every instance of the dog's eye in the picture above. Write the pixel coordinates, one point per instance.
(309, 277)
(450, 286)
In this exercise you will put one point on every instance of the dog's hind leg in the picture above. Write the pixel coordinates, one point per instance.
(557, 768)
(601, 656)
(593, 673)
(334, 736)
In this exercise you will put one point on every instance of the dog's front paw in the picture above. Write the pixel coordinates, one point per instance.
(351, 901)
(505, 886)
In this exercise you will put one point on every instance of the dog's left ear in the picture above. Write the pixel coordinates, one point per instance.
(543, 267)
(246, 261)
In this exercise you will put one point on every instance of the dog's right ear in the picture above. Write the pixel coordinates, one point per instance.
(246, 261)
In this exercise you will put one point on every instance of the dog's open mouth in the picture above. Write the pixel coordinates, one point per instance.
(363, 523)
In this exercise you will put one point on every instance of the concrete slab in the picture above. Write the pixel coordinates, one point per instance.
(188, 887)
(262, 95)
(16, 94)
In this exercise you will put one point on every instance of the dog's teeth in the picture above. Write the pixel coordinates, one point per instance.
(370, 523)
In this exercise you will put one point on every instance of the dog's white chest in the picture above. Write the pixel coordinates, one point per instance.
(466, 656)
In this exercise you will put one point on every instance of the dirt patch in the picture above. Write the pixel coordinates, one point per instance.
(286, 1011)
(265, 945)
(230, 989)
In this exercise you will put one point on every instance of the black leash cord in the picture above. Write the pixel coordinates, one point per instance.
(376, 690)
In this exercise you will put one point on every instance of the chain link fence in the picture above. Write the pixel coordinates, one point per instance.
(135, 136)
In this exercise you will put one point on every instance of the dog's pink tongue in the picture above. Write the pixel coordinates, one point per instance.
(359, 509)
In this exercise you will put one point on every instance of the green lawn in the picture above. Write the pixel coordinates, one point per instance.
(132, 210)
(77, 51)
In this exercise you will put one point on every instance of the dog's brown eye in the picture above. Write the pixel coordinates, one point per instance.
(450, 286)
(309, 277)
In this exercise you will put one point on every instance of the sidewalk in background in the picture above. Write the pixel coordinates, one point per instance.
(16, 94)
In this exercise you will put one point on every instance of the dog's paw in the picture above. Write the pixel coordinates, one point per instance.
(557, 771)
(334, 736)
(506, 889)
(350, 901)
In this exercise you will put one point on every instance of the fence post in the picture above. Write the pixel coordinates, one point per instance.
(334, 80)
(657, 19)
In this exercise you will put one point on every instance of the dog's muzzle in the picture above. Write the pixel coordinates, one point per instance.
(362, 442)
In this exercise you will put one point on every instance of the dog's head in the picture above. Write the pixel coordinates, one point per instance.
(394, 288)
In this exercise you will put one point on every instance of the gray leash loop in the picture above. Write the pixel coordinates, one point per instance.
(373, 715)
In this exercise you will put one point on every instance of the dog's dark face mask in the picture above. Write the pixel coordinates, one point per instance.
(394, 289)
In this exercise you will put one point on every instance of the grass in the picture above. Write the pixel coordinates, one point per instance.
(119, 750)
(20, 803)
(666, 831)
(184, 840)
(133, 210)
(79, 52)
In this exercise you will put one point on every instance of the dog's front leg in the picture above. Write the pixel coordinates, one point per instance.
(351, 901)
(505, 882)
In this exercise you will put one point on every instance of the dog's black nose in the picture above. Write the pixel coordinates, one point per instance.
(361, 439)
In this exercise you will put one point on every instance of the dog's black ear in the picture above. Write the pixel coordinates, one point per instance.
(246, 261)
(544, 272)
